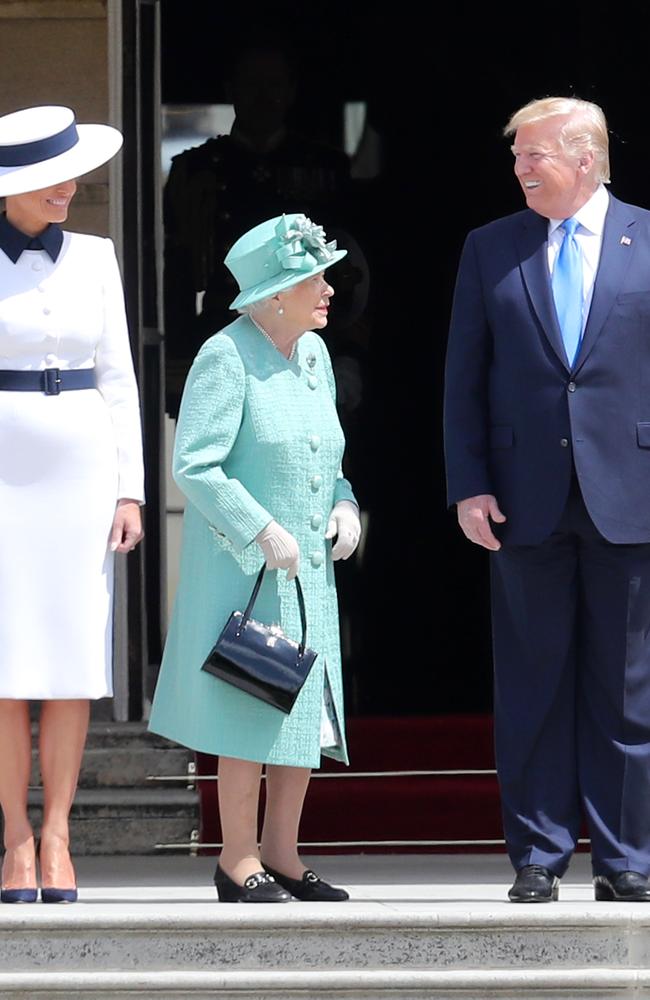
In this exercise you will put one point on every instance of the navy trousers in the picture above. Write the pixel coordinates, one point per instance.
(571, 634)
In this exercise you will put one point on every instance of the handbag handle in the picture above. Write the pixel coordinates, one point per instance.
(301, 604)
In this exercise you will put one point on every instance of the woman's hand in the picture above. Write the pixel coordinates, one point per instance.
(280, 549)
(127, 526)
(345, 524)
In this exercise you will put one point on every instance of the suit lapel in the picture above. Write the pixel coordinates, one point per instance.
(532, 241)
(615, 256)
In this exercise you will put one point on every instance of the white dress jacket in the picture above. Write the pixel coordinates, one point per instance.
(65, 460)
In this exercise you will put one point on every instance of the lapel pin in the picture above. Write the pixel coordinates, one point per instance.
(311, 360)
(625, 241)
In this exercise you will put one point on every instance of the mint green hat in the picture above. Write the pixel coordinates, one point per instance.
(277, 254)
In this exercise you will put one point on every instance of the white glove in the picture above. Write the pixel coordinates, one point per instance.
(280, 549)
(345, 524)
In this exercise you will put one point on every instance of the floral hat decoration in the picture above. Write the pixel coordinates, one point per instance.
(277, 254)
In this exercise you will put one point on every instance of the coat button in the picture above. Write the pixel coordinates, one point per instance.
(46, 311)
(316, 521)
(564, 442)
(312, 381)
(316, 559)
(316, 482)
(314, 442)
(37, 266)
(571, 387)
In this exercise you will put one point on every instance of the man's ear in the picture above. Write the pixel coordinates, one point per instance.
(586, 161)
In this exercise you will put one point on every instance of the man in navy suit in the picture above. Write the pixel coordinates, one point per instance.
(547, 435)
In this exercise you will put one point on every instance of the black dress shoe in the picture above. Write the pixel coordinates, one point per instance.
(258, 888)
(624, 887)
(310, 888)
(534, 884)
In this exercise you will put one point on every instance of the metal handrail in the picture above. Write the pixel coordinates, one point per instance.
(196, 845)
(457, 772)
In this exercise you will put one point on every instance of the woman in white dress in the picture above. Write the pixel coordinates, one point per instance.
(71, 479)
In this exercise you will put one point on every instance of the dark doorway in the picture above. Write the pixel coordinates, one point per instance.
(429, 165)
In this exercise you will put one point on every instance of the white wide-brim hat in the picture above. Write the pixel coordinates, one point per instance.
(43, 146)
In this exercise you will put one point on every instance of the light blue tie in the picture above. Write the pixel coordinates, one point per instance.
(567, 289)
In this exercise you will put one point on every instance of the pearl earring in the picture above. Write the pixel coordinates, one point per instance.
(280, 311)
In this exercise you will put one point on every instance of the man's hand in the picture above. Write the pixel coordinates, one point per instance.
(474, 516)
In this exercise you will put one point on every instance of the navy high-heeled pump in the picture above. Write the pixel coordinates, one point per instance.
(58, 895)
(18, 895)
(50, 895)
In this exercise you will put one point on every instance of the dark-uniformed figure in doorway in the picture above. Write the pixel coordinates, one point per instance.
(218, 190)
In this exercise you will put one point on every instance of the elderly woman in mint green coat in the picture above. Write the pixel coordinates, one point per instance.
(258, 455)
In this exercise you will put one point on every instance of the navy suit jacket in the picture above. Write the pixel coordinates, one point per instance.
(517, 416)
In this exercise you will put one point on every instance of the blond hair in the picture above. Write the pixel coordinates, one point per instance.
(585, 129)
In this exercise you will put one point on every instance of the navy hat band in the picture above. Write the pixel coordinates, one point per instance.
(25, 153)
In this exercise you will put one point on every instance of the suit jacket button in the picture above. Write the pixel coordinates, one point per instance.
(564, 442)
(571, 387)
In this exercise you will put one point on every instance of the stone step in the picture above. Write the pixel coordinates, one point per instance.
(415, 927)
(126, 820)
(119, 766)
(124, 801)
(119, 734)
(303, 938)
(118, 809)
(387, 984)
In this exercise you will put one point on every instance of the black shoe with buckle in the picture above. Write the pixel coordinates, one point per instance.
(257, 888)
(310, 888)
(622, 887)
(534, 884)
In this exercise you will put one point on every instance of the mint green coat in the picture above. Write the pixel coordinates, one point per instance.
(258, 438)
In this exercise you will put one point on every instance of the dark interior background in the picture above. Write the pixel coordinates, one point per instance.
(415, 608)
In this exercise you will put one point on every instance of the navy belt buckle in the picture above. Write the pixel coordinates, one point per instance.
(52, 381)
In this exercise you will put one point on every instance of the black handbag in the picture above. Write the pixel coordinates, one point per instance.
(260, 659)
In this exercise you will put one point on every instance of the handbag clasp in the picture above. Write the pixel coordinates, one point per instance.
(276, 633)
